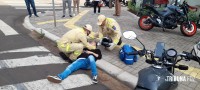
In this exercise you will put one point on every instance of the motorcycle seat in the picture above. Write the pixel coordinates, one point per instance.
(162, 13)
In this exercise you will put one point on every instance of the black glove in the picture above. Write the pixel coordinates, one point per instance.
(141, 52)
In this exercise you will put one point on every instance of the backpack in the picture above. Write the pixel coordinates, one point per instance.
(125, 57)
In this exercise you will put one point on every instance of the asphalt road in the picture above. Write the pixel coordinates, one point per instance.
(24, 60)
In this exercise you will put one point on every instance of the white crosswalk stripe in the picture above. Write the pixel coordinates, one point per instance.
(6, 29)
(29, 49)
(73, 81)
(33, 60)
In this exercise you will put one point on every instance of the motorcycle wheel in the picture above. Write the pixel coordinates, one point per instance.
(188, 31)
(144, 26)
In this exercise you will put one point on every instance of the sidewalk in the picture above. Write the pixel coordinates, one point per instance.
(110, 62)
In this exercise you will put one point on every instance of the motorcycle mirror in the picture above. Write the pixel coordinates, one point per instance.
(183, 67)
(129, 35)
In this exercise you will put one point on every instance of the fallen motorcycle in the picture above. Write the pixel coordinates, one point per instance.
(155, 76)
(168, 19)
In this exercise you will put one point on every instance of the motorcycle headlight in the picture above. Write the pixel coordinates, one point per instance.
(171, 52)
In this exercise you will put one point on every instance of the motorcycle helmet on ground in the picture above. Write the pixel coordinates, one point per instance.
(106, 41)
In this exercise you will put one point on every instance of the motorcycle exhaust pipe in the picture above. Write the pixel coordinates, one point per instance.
(154, 22)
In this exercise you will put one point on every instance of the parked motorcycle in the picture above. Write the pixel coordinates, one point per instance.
(155, 76)
(88, 3)
(168, 19)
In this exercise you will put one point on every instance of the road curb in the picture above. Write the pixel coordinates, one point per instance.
(41, 31)
(123, 76)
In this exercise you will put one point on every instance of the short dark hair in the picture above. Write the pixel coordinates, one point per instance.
(92, 40)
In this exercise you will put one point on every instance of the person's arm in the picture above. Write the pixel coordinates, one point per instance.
(83, 39)
(96, 53)
(100, 33)
(89, 52)
(115, 29)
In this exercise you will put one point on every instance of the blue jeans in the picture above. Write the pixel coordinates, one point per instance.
(32, 3)
(81, 63)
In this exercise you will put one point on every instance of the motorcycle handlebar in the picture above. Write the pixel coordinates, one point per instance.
(189, 56)
(139, 52)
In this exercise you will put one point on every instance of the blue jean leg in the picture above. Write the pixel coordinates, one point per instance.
(28, 6)
(91, 64)
(72, 67)
(33, 6)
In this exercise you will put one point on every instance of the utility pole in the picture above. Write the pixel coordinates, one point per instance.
(110, 3)
(54, 14)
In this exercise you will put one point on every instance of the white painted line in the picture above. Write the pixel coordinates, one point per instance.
(29, 49)
(73, 81)
(32, 61)
(38, 8)
(6, 29)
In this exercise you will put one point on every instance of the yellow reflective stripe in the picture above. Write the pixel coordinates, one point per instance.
(67, 47)
(115, 41)
(77, 53)
(62, 45)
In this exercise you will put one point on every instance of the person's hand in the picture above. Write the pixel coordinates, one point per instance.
(96, 35)
(89, 52)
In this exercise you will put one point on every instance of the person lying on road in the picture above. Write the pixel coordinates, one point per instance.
(87, 60)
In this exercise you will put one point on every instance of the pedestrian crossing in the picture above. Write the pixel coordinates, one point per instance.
(72, 81)
(6, 29)
(29, 73)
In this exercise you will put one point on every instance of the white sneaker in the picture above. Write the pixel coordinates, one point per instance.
(94, 79)
(54, 79)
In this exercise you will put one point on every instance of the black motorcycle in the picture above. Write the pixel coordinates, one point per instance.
(160, 76)
(168, 19)
(88, 3)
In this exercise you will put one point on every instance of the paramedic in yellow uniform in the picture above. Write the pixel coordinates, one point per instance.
(108, 27)
(73, 42)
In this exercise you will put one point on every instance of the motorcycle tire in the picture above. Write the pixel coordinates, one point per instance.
(144, 26)
(188, 32)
